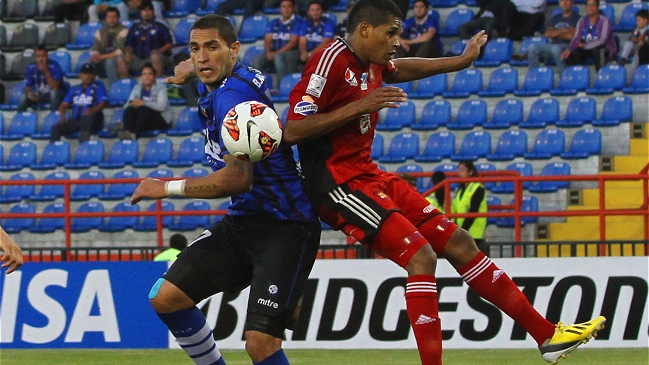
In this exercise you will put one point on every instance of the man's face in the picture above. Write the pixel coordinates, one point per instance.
(146, 14)
(419, 9)
(382, 41)
(641, 22)
(148, 77)
(286, 9)
(87, 77)
(112, 20)
(315, 12)
(591, 8)
(41, 56)
(566, 5)
(212, 57)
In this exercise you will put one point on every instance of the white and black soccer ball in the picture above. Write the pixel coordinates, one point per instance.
(251, 129)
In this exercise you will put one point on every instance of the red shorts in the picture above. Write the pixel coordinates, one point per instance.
(360, 208)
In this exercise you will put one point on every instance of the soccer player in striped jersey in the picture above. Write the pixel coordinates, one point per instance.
(333, 112)
(270, 237)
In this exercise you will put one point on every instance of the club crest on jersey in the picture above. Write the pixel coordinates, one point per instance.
(306, 106)
(316, 85)
(364, 81)
(381, 194)
(272, 289)
(350, 77)
(204, 112)
(365, 123)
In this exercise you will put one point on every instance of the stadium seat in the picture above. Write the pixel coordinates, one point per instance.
(191, 151)
(465, 83)
(120, 224)
(182, 8)
(610, 78)
(150, 223)
(627, 18)
(83, 58)
(508, 112)
(286, 84)
(210, 7)
(507, 187)
(609, 11)
(192, 222)
(454, 19)
(486, 167)
(120, 91)
(119, 191)
(20, 156)
(161, 174)
(580, 111)
(378, 147)
(403, 146)
(537, 80)
(528, 204)
(187, 122)
(222, 206)
(89, 153)
(85, 36)
(15, 193)
(19, 11)
(640, 81)
(429, 87)
(110, 131)
(63, 58)
(548, 143)
(253, 29)
(157, 151)
(511, 144)
(18, 67)
(525, 45)
(542, 112)
(472, 113)
(457, 48)
(14, 98)
(85, 224)
(585, 142)
(443, 3)
(492, 201)
(49, 121)
(436, 114)
(49, 225)
(15, 225)
(251, 53)
(616, 110)
(87, 191)
(124, 152)
(181, 32)
(475, 144)
(551, 169)
(57, 35)
(412, 168)
(22, 125)
(51, 192)
(446, 168)
(502, 81)
(397, 118)
(24, 36)
(439, 146)
(196, 172)
(573, 79)
(54, 154)
(496, 52)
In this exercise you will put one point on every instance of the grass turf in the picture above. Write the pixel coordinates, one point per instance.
(636, 356)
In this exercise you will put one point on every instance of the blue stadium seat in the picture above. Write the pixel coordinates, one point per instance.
(15, 225)
(54, 154)
(191, 151)
(446, 168)
(49, 121)
(196, 172)
(119, 191)
(627, 18)
(508, 112)
(222, 206)
(14, 97)
(429, 87)
(22, 125)
(21, 155)
(181, 32)
(161, 174)
(15, 193)
(507, 187)
(397, 118)
(537, 80)
(111, 128)
(120, 224)
(443, 3)
(182, 8)
(187, 122)
(51, 192)
(85, 36)
(251, 53)
(63, 58)
(580, 111)
(557, 11)
(472, 113)
(640, 81)
(486, 167)
(439, 146)
(492, 200)
(542, 112)
(405, 86)
(84, 224)
(436, 114)
(573, 79)
(609, 11)
(378, 147)
(412, 168)
(157, 151)
(548, 143)
(83, 58)
(511, 144)
(585, 142)
(253, 28)
(552, 169)
(120, 91)
(465, 83)
(192, 222)
(610, 78)
(616, 110)
(286, 84)
(475, 144)
(89, 153)
(49, 225)
(403, 146)
(502, 81)
(529, 204)
(457, 48)
(456, 18)
(124, 152)
(525, 45)
(210, 7)
(497, 52)
(87, 191)
(150, 223)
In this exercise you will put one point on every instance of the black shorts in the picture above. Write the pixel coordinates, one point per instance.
(274, 257)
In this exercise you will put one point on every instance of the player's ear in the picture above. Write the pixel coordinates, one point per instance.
(364, 29)
(234, 48)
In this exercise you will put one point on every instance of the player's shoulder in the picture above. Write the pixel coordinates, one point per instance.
(331, 59)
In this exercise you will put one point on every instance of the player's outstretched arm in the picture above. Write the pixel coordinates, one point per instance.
(12, 257)
(183, 72)
(412, 68)
(235, 178)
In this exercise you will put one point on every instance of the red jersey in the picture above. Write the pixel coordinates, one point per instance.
(332, 78)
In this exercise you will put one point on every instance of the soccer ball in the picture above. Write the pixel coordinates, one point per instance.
(251, 129)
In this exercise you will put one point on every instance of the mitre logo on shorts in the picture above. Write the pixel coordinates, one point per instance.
(306, 106)
(365, 123)
(350, 77)
(429, 208)
(316, 85)
(272, 289)
(267, 303)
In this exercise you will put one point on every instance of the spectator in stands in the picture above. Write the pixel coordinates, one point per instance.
(315, 32)
(638, 42)
(177, 243)
(12, 257)
(419, 36)
(130, 9)
(492, 17)
(148, 41)
(108, 46)
(437, 197)
(226, 7)
(147, 107)
(87, 101)
(100, 8)
(471, 198)
(70, 10)
(593, 38)
(341, 28)
(526, 19)
(280, 42)
(43, 82)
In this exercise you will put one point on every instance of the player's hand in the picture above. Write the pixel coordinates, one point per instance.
(183, 72)
(149, 188)
(12, 258)
(475, 43)
(383, 97)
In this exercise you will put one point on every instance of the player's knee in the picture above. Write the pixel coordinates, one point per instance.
(423, 262)
(261, 345)
(165, 297)
(461, 248)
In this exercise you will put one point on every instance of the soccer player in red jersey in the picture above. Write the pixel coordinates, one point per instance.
(332, 116)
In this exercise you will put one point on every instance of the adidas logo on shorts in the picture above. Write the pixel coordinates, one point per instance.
(423, 319)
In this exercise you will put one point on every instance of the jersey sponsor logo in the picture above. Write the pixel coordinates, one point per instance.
(306, 106)
(316, 85)
(272, 289)
(365, 123)
(364, 81)
(350, 77)
(82, 99)
(267, 303)
(429, 208)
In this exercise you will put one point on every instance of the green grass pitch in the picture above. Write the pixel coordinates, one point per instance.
(324, 357)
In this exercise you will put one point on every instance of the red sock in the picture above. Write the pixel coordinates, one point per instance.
(493, 284)
(421, 301)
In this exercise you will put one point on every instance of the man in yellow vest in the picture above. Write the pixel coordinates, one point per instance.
(177, 243)
(436, 198)
(471, 198)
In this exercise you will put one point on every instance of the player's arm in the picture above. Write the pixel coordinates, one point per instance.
(12, 258)
(412, 68)
(235, 178)
(183, 73)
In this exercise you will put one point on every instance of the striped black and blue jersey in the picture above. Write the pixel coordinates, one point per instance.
(277, 183)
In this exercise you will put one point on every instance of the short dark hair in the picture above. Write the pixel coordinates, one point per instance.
(178, 241)
(146, 4)
(149, 65)
(470, 166)
(41, 47)
(374, 12)
(426, 3)
(218, 22)
(290, 1)
(112, 9)
(643, 13)
(315, 2)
